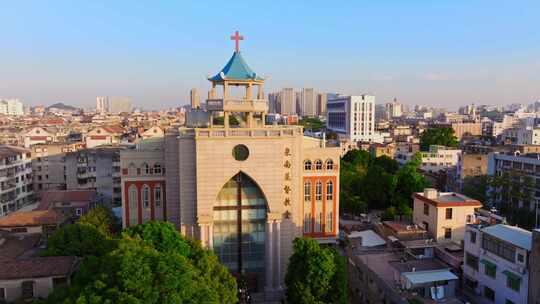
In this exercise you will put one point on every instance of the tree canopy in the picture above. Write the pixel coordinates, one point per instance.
(367, 182)
(152, 263)
(438, 136)
(101, 218)
(315, 275)
(311, 123)
(233, 121)
(512, 194)
(79, 240)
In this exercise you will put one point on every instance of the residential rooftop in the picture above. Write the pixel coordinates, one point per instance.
(37, 267)
(30, 218)
(7, 151)
(446, 199)
(514, 235)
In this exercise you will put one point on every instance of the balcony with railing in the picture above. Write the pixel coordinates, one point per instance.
(269, 131)
(236, 105)
(8, 186)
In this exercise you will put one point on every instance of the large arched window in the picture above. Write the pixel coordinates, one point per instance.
(329, 191)
(318, 191)
(146, 196)
(157, 196)
(329, 225)
(318, 164)
(157, 168)
(307, 165)
(307, 191)
(329, 164)
(133, 201)
(240, 218)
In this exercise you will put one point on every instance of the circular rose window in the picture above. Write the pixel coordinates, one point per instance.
(240, 152)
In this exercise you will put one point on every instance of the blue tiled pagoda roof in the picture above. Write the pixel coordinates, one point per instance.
(236, 69)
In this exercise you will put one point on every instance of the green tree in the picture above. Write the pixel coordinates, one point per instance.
(151, 265)
(79, 240)
(476, 187)
(512, 193)
(378, 183)
(101, 218)
(165, 238)
(438, 136)
(311, 123)
(233, 121)
(315, 275)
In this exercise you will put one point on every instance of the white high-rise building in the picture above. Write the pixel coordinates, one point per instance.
(195, 98)
(352, 117)
(114, 105)
(102, 104)
(11, 107)
(120, 105)
(394, 109)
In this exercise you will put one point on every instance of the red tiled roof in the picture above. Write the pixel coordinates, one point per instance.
(13, 245)
(65, 196)
(113, 129)
(30, 218)
(39, 137)
(38, 267)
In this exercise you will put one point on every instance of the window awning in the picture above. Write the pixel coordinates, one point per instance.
(488, 263)
(511, 275)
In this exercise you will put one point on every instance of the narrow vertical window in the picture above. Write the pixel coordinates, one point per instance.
(157, 196)
(146, 196)
(307, 191)
(133, 198)
(318, 191)
(329, 191)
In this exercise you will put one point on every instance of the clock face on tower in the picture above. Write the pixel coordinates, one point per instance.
(240, 152)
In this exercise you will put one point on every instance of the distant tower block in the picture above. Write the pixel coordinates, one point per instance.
(237, 73)
(195, 99)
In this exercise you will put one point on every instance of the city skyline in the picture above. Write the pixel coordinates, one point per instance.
(439, 54)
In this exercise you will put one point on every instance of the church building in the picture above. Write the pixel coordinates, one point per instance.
(245, 189)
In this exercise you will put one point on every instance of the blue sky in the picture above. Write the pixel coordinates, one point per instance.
(444, 53)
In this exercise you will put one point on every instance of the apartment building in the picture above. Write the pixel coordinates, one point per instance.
(16, 188)
(49, 165)
(444, 214)
(37, 135)
(496, 267)
(467, 129)
(534, 268)
(352, 117)
(525, 165)
(469, 165)
(103, 135)
(440, 158)
(96, 169)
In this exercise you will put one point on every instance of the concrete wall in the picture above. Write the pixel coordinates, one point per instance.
(534, 269)
(437, 221)
(13, 288)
